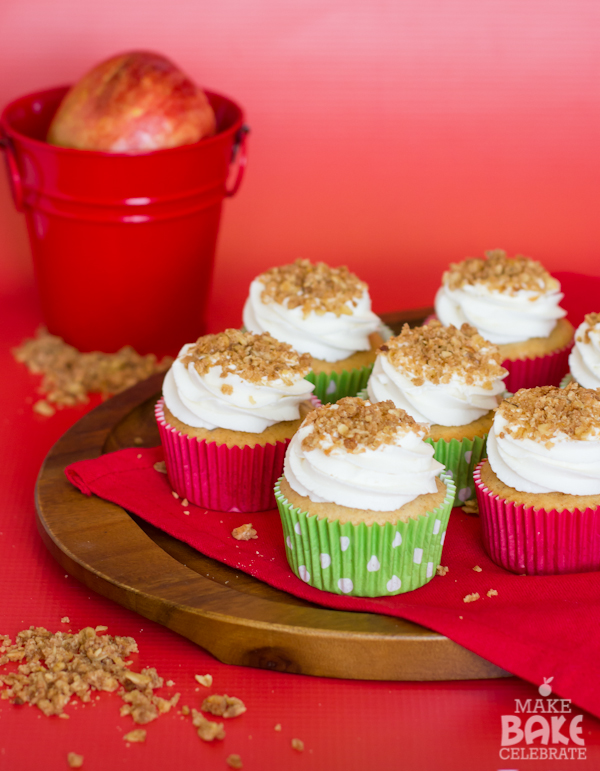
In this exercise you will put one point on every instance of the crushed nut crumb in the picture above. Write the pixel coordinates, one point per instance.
(441, 570)
(223, 706)
(205, 680)
(277, 727)
(500, 273)
(437, 354)
(170, 683)
(137, 735)
(546, 412)
(185, 502)
(244, 532)
(477, 569)
(43, 408)
(593, 322)
(160, 466)
(74, 760)
(356, 425)
(254, 358)
(234, 761)
(185, 710)
(472, 597)
(492, 593)
(69, 376)
(208, 730)
(298, 745)
(471, 506)
(314, 288)
(65, 620)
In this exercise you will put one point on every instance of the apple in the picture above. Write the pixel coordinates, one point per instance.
(132, 103)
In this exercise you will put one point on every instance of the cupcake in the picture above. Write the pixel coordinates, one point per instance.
(584, 359)
(450, 378)
(324, 312)
(363, 507)
(539, 490)
(513, 303)
(231, 403)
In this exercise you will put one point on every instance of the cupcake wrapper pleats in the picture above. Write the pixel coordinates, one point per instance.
(218, 477)
(533, 541)
(539, 371)
(361, 560)
(460, 457)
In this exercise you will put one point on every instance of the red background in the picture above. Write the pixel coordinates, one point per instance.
(390, 136)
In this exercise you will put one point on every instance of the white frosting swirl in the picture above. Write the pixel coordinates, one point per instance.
(377, 480)
(584, 360)
(198, 400)
(327, 337)
(500, 317)
(569, 466)
(446, 404)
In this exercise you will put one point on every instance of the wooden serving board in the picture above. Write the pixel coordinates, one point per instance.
(237, 618)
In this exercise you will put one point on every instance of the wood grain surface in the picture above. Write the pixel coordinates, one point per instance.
(242, 621)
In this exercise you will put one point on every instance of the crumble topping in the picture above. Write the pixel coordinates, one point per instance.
(472, 597)
(255, 358)
(500, 273)
(492, 593)
(356, 425)
(314, 288)
(592, 320)
(69, 375)
(441, 570)
(74, 760)
(205, 680)
(298, 745)
(544, 412)
(234, 761)
(436, 353)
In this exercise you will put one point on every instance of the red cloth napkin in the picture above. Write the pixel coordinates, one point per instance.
(536, 627)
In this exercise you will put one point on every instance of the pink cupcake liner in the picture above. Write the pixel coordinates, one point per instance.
(218, 477)
(532, 541)
(539, 371)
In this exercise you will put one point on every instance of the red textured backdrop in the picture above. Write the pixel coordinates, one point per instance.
(393, 137)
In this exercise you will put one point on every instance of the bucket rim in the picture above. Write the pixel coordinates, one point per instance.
(10, 131)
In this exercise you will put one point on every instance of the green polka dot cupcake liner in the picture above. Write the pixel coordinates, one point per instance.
(460, 457)
(566, 380)
(365, 560)
(335, 385)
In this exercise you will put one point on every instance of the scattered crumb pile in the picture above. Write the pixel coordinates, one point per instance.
(56, 667)
(501, 273)
(317, 288)
(69, 375)
(355, 425)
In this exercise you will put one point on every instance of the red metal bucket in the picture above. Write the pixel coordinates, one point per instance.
(123, 245)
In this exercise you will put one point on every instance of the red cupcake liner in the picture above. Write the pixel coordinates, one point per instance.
(539, 371)
(218, 477)
(531, 541)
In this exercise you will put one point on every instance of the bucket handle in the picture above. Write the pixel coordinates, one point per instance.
(239, 146)
(14, 175)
